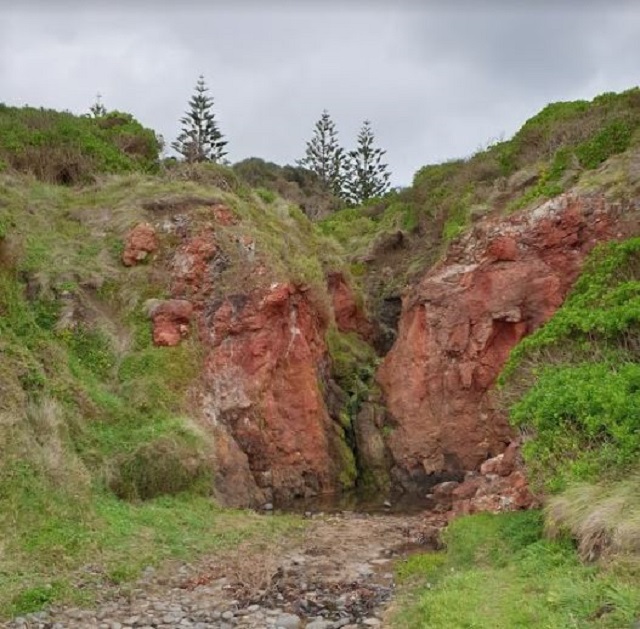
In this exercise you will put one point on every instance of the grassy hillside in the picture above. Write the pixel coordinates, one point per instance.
(571, 389)
(103, 458)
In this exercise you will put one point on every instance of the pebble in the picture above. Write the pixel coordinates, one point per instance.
(288, 621)
(321, 624)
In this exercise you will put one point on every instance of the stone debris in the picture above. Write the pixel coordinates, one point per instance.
(338, 577)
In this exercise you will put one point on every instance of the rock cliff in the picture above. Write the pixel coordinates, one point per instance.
(265, 393)
(501, 281)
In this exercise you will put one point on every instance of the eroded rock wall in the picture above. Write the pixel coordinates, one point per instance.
(502, 281)
(263, 375)
(265, 394)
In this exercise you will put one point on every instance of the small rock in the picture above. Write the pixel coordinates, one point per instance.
(267, 507)
(371, 622)
(288, 621)
(320, 624)
(228, 615)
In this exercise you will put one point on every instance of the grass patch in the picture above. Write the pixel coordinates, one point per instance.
(121, 539)
(499, 571)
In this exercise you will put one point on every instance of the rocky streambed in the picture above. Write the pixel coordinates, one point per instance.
(338, 573)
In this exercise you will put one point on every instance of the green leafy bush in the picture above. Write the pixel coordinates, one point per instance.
(584, 419)
(59, 147)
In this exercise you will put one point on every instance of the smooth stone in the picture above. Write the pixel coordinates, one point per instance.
(288, 621)
(320, 624)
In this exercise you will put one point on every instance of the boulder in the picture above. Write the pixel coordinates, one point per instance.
(139, 243)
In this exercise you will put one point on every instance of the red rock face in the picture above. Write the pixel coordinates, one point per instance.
(265, 365)
(171, 320)
(501, 282)
(191, 275)
(349, 315)
(140, 242)
(263, 376)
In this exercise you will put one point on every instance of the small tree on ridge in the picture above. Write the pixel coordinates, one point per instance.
(200, 139)
(368, 176)
(324, 156)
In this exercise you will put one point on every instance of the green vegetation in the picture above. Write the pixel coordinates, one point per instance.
(603, 518)
(575, 382)
(353, 364)
(297, 185)
(58, 147)
(499, 571)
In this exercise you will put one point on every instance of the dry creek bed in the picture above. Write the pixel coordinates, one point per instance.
(337, 573)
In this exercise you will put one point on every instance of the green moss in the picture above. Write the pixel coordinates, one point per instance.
(348, 469)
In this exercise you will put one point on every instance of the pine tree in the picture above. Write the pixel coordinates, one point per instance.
(367, 176)
(98, 109)
(324, 156)
(200, 139)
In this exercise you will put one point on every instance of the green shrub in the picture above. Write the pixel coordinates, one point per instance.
(612, 139)
(584, 419)
(166, 466)
(58, 147)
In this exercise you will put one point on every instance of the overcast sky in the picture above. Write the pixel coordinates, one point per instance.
(436, 82)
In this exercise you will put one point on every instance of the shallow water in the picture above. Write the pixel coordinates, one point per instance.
(358, 502)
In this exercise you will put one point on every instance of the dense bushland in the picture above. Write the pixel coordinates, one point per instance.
(59, 147)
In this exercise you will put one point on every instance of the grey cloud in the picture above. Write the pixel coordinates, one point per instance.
(436, 83)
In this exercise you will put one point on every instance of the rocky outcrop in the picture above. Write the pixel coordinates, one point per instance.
(140, 242)
(264, 374)
(502, 281)
(265, 393)
(171, 319)
(348, 313)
